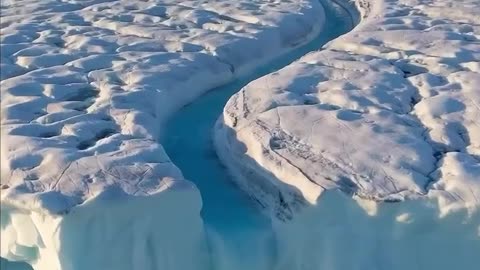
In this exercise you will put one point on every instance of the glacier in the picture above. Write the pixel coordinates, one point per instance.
(389, 181)
(238, 235)
(365, 154)
(85, 88)
(112, 231)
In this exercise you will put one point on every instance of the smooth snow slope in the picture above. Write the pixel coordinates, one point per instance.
(388, 115)
(85, 86)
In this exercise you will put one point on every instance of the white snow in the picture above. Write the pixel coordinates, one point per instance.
(377, 112)
(85, 87)
(387, 114)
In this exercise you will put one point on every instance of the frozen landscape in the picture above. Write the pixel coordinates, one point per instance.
(361, 153)
(389, 116)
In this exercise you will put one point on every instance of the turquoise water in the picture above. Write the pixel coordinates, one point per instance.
(228, 213)
(6, 265)
(239, 235)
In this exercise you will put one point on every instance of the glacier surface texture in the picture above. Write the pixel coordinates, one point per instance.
(364, 153)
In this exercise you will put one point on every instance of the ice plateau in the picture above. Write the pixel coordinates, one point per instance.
(85, 86)
(367, 152)
(386, 113)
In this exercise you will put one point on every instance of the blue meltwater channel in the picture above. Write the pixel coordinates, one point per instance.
(240, 237)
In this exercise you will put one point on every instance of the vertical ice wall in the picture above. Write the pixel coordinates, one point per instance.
(112, 231)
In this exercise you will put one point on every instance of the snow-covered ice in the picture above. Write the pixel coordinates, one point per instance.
(386, 113)
(85, 88)
(369, 147)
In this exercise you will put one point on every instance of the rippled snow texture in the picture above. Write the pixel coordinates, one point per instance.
(85, 87)
(387, 112)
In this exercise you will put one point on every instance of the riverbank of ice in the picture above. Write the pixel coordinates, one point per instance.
(86, 86)
(388, 116)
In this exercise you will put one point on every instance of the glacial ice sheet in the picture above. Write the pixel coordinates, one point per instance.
(366, 153)
(86, 86)
(346, 234)
(239, 236)
(387, 112)
(100, 103)
(96, 80)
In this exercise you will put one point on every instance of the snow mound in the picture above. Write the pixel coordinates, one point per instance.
(85, 88)
(387, 112)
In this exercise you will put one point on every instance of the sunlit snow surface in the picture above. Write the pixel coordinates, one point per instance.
(388, 115)
(85, 88)
(388, 112)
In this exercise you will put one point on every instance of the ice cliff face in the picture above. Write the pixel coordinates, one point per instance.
(85, 87)
(369, 148)
(113, 230)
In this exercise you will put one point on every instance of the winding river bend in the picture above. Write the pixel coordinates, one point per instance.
(239, 236)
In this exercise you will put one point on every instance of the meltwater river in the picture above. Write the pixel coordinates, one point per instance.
(240, 237)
